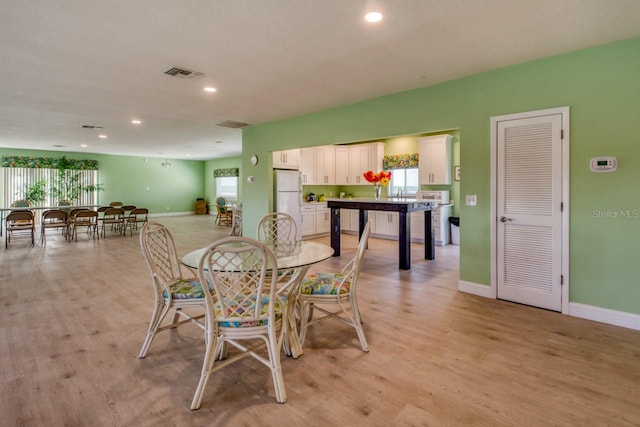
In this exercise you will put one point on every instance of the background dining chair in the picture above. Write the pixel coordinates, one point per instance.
(135, 217)
(224, 213)
(236, 223)
(334, 295)
(20, 222)
(71, 218)
(113, 217)
(53, 218)
(172, 289)
(241, 305)
(84, 219)
(277, 226)
(21, 204)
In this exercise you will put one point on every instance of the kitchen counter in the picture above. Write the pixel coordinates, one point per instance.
(394, 204)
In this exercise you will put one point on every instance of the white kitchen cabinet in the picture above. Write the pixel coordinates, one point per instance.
(342, 165)
(308, 165)
(434, 161)
(325, 165)
(316, 219)
(364, 157)
(323, 219)
(308, 220)
(441, 230)
(286, 159)
(385, 223)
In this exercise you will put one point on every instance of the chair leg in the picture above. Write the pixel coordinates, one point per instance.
(159, 312)
(357, 324)
(212, 344)
(276, 367)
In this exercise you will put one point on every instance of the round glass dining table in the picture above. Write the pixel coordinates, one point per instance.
(294, 258)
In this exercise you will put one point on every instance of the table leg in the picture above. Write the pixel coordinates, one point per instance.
(404, 241)
(429, 242)
(335, 231)
(291, 289)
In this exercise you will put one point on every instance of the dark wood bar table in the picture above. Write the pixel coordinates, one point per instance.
(400, 205)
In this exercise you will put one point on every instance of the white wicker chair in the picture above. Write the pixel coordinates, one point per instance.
(335, 295)
(277, 226)
(172, 290)
(242, 305)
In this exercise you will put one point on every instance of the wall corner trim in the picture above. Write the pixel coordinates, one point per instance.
(476, 289)
(605, 315)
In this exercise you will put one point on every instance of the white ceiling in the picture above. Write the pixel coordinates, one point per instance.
(69, 63)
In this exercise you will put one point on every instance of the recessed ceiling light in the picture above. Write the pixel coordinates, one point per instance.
(373, 17)
(59, 145)
(103, 136)
(210, 89)
(136, 122)
(83, 145)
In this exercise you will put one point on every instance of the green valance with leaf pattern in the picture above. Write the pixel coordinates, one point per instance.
(400, 161)
(48, 163)
(222, 173)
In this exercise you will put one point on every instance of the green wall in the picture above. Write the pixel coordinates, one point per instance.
(140, 181)
(602, 87)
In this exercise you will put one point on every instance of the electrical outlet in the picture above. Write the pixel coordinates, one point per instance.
(471, 200)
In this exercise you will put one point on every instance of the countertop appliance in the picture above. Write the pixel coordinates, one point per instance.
(288, 195)
(440, 196)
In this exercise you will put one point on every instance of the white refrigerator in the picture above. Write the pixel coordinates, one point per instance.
(288, 195)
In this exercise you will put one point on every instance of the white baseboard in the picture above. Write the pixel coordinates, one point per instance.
(605, 315)
(583, 311)
(476, 289)
(159, 215)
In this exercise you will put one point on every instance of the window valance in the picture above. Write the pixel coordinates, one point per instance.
(400, 161)
(48, 163)
(222, 173)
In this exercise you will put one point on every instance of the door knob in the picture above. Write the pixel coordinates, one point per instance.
(504, 219)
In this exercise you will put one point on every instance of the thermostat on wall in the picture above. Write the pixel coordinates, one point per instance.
(603, 164)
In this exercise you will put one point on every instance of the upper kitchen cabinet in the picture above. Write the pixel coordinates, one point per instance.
(365, 157)
(325, 165)
(434, 164)
(287, 159)
(308, 165)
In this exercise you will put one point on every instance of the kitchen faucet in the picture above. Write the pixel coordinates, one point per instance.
(399, 192)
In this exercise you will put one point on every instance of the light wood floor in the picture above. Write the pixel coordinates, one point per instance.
(74, 316)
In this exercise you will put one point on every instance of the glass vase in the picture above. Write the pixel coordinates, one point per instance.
(377, 191)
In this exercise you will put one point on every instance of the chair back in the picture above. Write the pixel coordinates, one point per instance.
(277, 226)
(128, 208)
(54, 217)
(21, 204)
(356, 263)
(85, 217)
(221, 201)
(241, 274)
(20, 217)
(116, 204)
(159, 251)
(113, 214)
(64, 203)
(139, 215)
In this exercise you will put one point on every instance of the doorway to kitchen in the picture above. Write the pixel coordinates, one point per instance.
(530, 210)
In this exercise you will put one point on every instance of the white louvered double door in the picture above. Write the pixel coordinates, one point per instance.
(529, 196)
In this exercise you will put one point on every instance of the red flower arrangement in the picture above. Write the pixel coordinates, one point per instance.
(381, 178)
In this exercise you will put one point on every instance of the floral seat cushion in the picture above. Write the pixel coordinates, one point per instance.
(324, 284)
(233, 311)
(186, 289)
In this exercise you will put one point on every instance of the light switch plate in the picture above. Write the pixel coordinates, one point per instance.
(471, 200)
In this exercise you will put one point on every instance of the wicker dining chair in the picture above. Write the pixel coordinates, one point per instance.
(171, 288)
(276, 226)
(241, 305)
(334, 295)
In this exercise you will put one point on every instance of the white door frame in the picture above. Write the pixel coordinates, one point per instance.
(564, 111)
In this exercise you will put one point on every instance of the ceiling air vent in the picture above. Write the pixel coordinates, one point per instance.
(183, 73)
(91, 127)
(233, 124)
